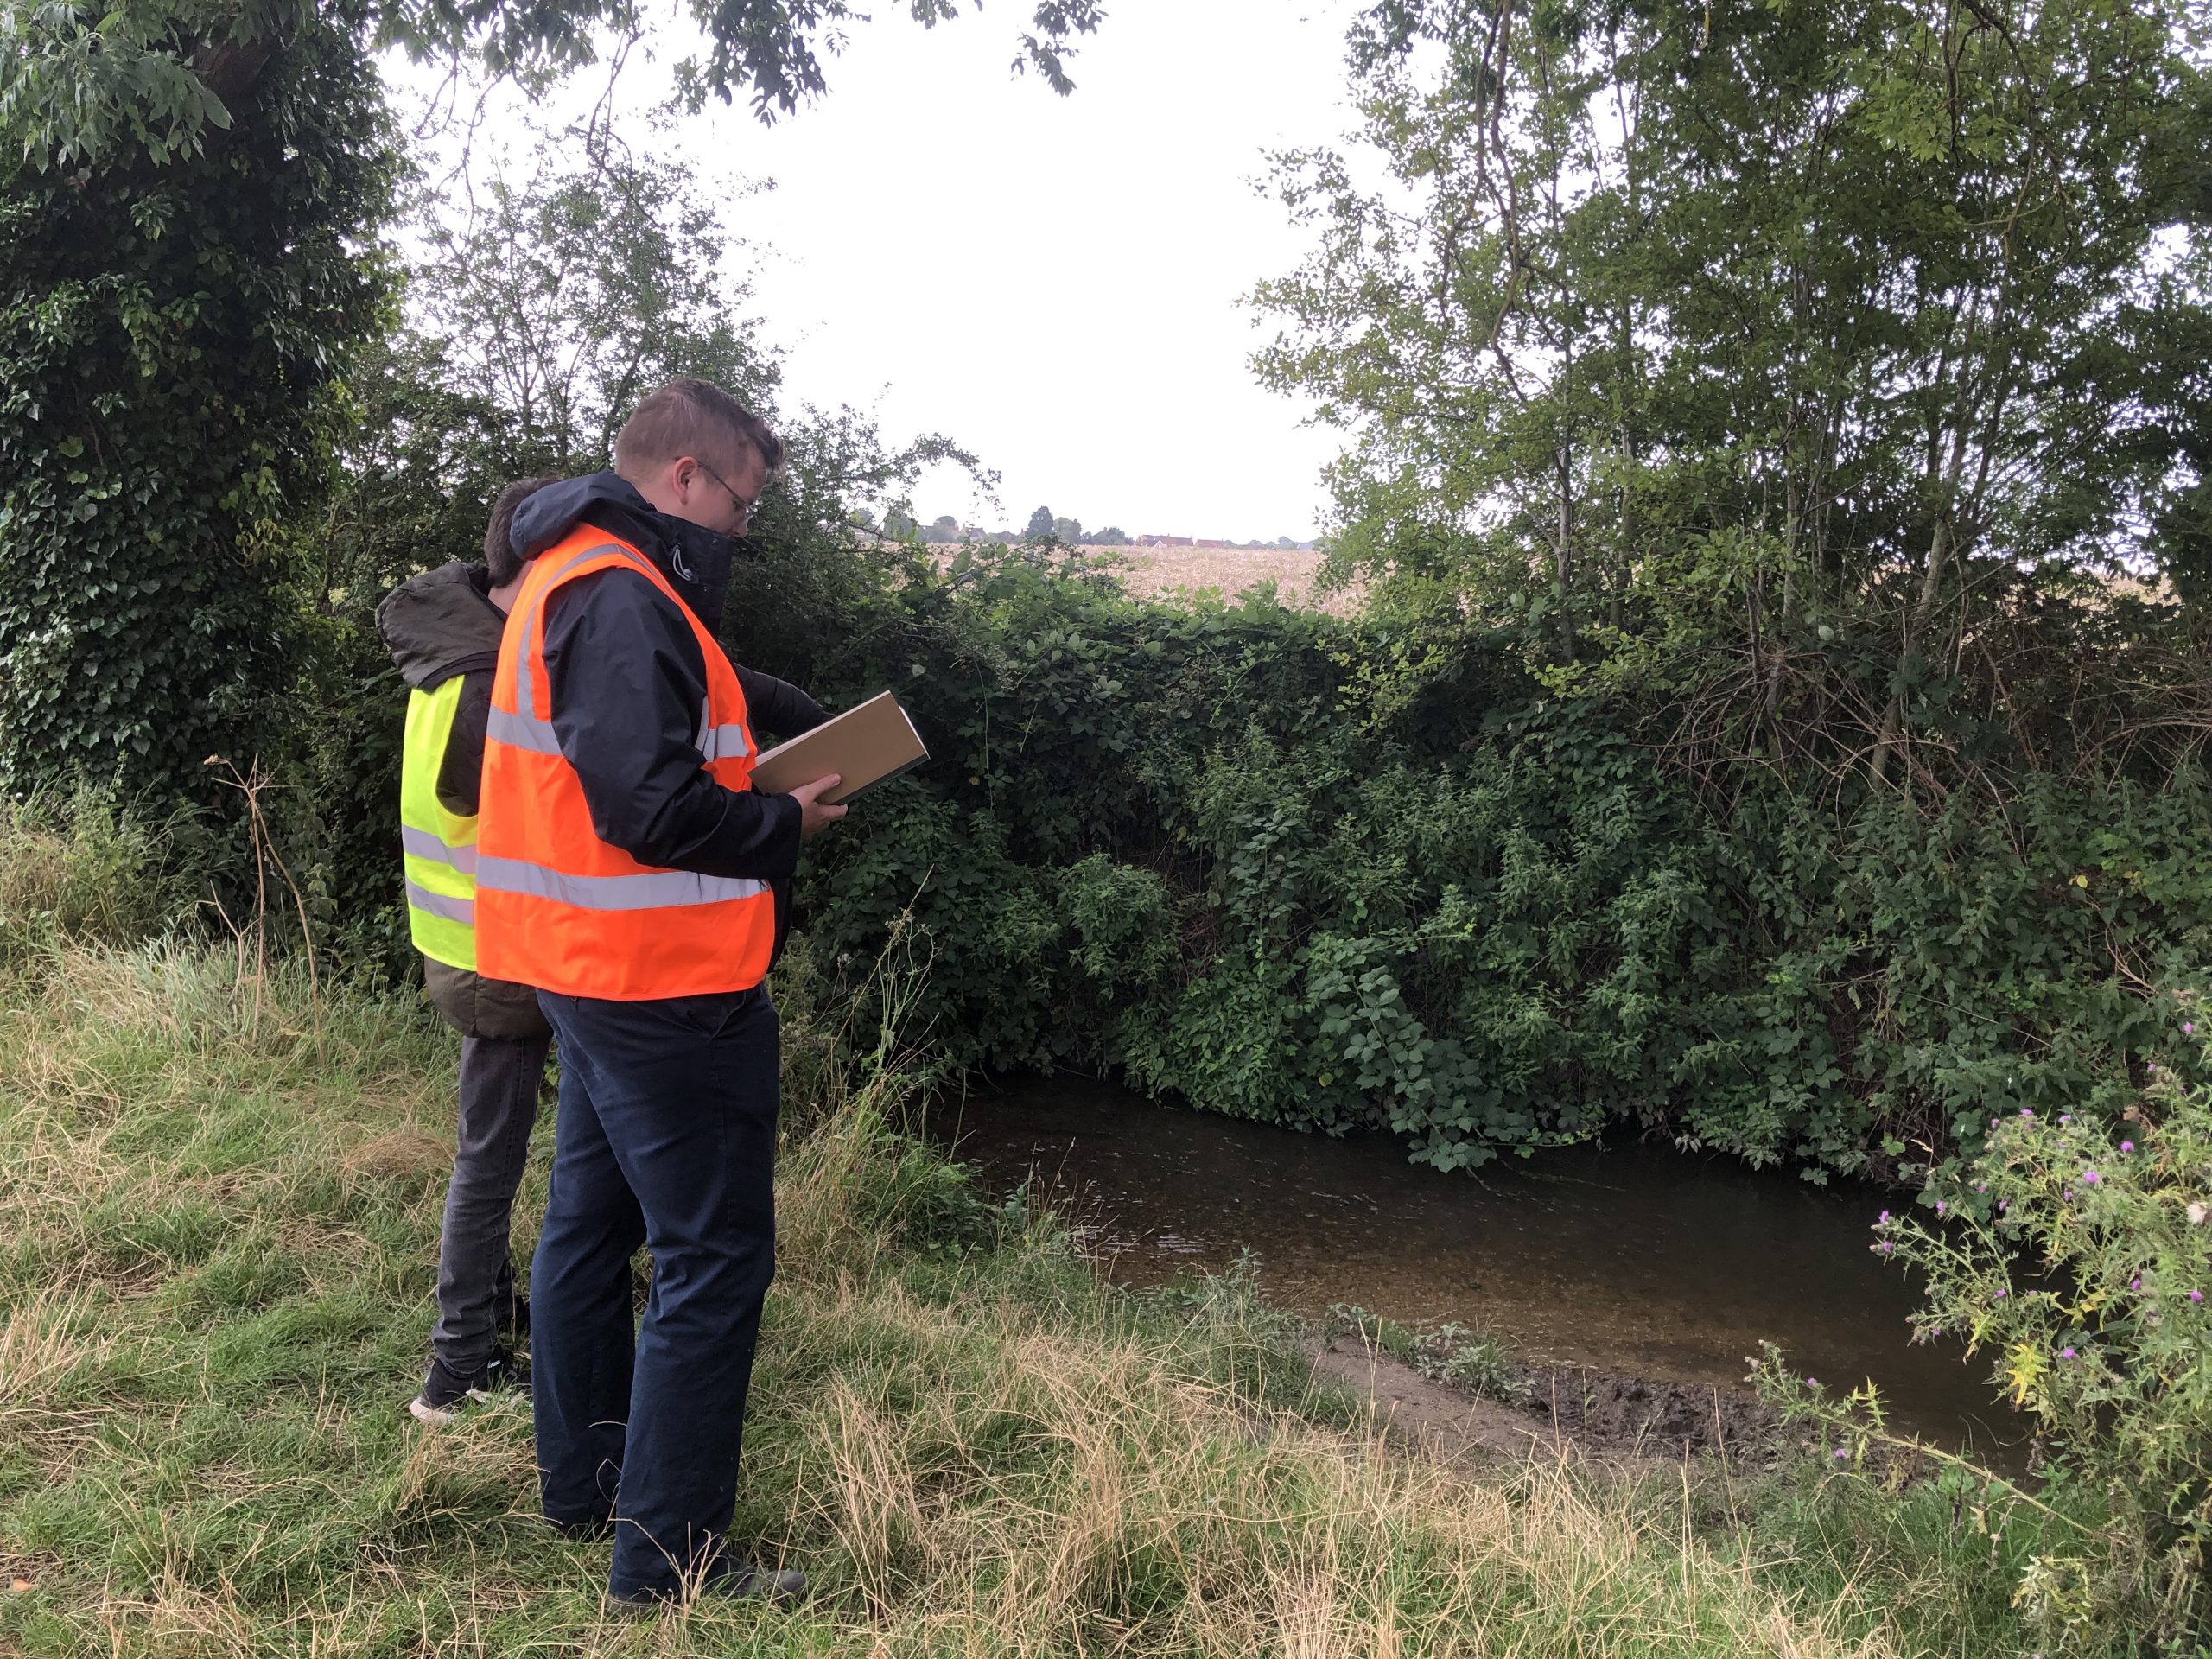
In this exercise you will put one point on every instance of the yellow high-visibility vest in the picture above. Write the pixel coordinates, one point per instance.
(440, 846)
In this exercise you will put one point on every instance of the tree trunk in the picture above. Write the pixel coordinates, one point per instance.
(1563, 559)
(1791, 508)
(1931, 589)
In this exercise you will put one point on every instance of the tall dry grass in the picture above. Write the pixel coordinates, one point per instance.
(82, 868)
(218, 1211)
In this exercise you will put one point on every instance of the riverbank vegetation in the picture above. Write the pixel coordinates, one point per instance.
(1775, 720)
(219, 1191)
(2072, 1253)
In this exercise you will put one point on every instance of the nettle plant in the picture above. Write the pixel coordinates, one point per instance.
(2077, 1251)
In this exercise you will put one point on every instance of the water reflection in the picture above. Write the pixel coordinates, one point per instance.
(1639, 1259)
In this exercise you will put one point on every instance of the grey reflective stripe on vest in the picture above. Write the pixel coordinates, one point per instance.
(718, 742)
(648, 890)
(723, 742)
(421, 844)
(522, 732)
(524, 699)
(439, 904)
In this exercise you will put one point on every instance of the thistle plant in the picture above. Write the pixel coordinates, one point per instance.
(2076, 1254)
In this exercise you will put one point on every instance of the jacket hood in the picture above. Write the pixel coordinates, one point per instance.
(441, 624)
(695, 560)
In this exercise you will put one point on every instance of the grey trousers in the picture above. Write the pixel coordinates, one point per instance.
(499, 1076)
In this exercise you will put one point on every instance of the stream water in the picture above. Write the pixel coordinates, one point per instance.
(1635, 1258)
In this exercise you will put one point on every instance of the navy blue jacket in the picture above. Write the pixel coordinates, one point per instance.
(628, 681)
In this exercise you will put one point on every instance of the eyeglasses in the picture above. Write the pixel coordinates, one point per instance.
(746, 511)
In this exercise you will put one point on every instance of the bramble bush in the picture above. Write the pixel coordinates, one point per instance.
(1365, 874)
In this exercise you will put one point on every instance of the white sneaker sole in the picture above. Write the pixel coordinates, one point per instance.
(440, 1416)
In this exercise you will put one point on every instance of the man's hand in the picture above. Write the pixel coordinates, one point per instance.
(813, 816)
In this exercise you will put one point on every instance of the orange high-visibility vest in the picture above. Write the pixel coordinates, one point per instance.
(557, 907)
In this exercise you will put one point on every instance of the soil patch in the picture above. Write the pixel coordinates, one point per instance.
(1458, 1426)
(1613, 1417)
(1642, 1415)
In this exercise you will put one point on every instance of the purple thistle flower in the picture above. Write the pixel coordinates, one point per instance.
(2189, 1027)
(2066, 1353)
(2025, 1112)
(1939, 1207)
(2136, 1283)
(1812, 1381)
(2090, 1177)
(2002, 1294)
(1882, 1220)
(2066, 1117)
(2004, 1204)
(2195, 1295)
(1840, 1453)
(2128, 1146)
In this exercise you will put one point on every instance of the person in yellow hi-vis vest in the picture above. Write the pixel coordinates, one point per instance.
(443, 631)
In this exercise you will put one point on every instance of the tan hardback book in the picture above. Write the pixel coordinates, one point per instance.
(868, 745)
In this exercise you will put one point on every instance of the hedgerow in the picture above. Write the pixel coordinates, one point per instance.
(1367, 874)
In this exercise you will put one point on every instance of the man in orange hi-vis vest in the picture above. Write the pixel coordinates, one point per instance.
(625, 868)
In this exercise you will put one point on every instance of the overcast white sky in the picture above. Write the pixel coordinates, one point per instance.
(1055, 282)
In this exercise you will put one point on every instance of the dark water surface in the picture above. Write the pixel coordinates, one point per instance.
(1639, 1259)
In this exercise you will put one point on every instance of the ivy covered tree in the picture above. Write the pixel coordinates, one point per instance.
(192, 270)
(173, 320)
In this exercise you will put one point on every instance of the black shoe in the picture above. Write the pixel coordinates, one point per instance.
(740, 1581)
(445, 1391)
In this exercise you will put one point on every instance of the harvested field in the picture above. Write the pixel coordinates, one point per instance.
(1153, 571)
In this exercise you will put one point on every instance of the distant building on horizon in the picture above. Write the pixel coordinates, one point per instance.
(1279, 544)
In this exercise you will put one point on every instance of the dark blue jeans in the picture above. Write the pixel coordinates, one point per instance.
(666, 1138)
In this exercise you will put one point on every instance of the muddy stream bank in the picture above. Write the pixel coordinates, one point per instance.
(1634, 1264)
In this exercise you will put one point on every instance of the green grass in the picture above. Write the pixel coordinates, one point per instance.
(218, 1208)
